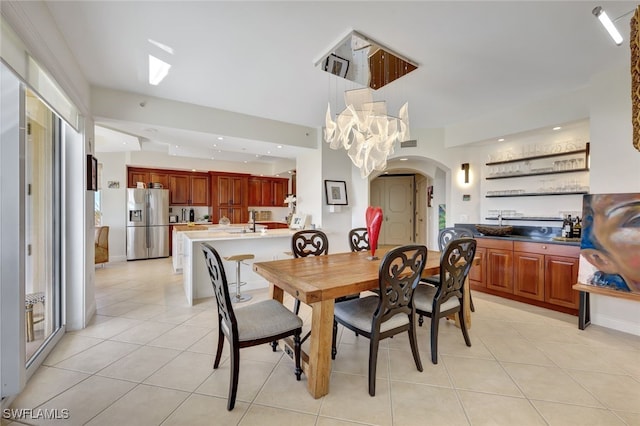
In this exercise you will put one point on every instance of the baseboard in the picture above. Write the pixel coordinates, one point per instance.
(615, 324)
(91, 312)
(122, 258)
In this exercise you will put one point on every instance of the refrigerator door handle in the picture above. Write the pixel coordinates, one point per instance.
(147, 201)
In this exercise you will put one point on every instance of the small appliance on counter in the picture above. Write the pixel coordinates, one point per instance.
(174, 218)
(192, 215)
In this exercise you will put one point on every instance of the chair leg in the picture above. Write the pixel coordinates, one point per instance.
(274, 345)
(473, 308)
(373, 363)
(413, 340)
(221, 338)
(296, 354)
(435, 321)
(463, 327)
(334, 349)
(296, 307)
(420, 320)
(235, 372)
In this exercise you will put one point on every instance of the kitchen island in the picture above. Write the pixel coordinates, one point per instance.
(267, 245)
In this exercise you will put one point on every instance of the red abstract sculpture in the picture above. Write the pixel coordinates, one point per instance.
(374, 223)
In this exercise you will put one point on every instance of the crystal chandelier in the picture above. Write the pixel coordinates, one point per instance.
(366, 131)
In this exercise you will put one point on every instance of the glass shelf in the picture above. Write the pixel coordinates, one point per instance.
(532, 218)
(555, 172)
(584, 151)
(537, 194)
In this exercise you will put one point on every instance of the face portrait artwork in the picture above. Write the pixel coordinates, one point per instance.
(610, 248)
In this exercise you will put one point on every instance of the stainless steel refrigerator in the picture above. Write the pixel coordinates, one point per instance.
(147, 223)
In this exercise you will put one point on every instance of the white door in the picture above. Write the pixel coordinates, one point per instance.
(394, 194)
(421, 210)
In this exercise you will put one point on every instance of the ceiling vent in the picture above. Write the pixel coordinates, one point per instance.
(412, 143)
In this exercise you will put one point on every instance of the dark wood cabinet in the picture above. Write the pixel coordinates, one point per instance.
(185, 188)
(537, 273)
(137, 175)
(159, 177)
(560, 275)
(179, 190)
(528, 275)
(500, 270)
(267, 192)
(199, 186)
(229, 195)
(189, 189)
(477, 273)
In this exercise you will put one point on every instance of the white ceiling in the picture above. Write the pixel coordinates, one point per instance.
(258, 58)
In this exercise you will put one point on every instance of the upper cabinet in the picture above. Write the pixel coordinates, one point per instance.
(189, 189)
(185, 188)
(267, 192)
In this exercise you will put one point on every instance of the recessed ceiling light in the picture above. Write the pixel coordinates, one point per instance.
(403, 159)
(215, 145)
(257, 155)
(268, 152)
(193, 170)
(289, 172)
(220, 138)
(245, 161)
(176, 146)
(279, 146)
(124, 143)
(557, 128)
(501, 140)
(277, 175)
(213, 158)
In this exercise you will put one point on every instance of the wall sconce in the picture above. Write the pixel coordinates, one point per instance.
(465, 168)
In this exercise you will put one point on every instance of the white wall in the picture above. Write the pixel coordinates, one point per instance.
(114, 202)
(615, 168)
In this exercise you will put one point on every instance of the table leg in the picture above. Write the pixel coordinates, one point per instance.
(320, 350)
(276, 293)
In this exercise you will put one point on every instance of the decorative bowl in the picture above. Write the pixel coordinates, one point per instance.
(494, 230)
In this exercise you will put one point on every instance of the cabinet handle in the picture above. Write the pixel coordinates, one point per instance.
(544, 247)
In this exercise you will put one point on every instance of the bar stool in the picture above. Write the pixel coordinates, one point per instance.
(30, 300)
(238, 258)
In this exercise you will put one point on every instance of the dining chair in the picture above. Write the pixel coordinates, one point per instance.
(447, 298)
(251, 325)
(445, 236)
(359, 239)
(390, 313)
(310, 242)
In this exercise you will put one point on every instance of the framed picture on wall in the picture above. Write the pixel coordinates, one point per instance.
(336, 191)
(336, 65)
(92, 173)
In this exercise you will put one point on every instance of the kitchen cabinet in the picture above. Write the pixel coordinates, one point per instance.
(229, 195)
(274, 225)
(159, 177)
(477, 273)
(498, 264)
(189, 189)
(560, 275)
(267, 192)
(541, 274)
(528, 275)
(135, 175)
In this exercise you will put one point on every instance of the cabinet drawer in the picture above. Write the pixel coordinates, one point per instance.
(495, 243)
(543, 248)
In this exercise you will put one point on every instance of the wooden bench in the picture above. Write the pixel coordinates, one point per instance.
(584, 312)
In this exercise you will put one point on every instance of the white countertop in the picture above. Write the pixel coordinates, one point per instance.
(196, 236)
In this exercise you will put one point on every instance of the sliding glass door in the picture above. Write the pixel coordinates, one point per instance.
(42, 231)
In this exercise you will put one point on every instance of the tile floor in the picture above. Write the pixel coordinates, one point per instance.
(146, 359)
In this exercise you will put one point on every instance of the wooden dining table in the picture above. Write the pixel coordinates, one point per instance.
(318, 281)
